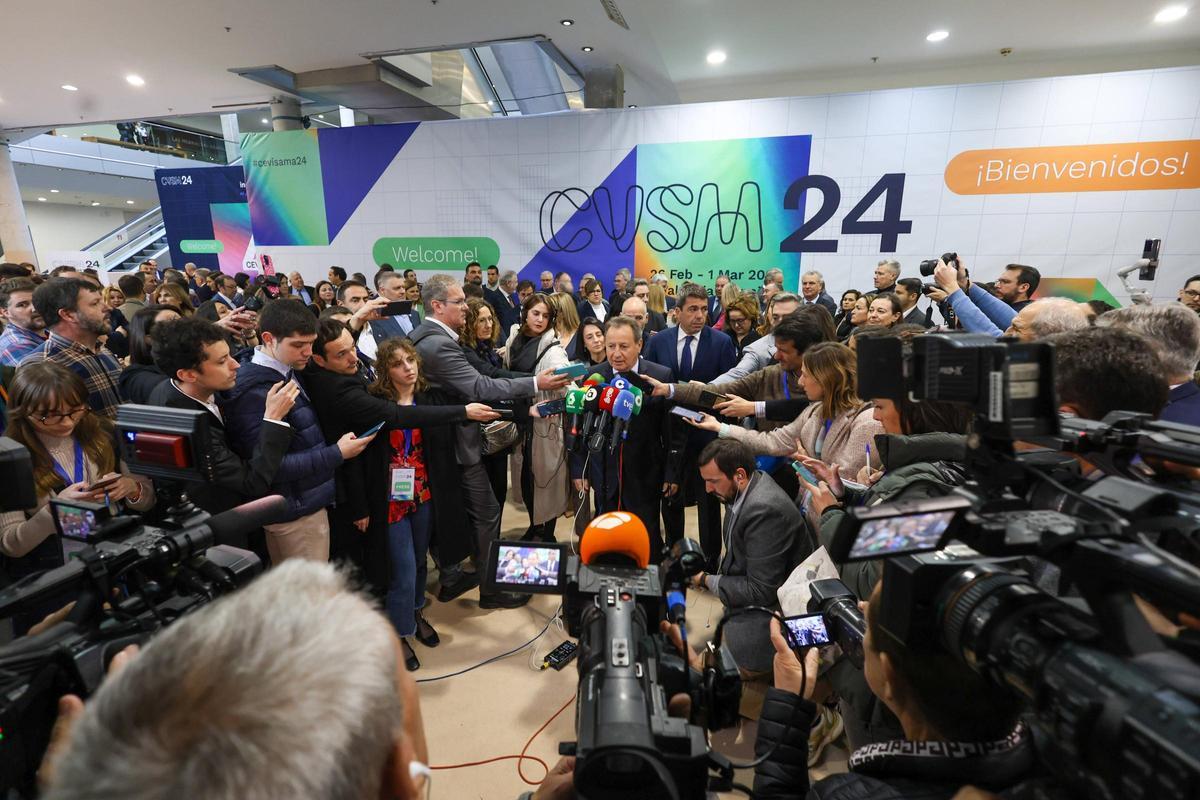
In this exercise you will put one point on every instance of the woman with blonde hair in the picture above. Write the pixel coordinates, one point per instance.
(657, 299)
(540, 473)
(729, 294)
(835, 428)
(566, 324)
(741, 320)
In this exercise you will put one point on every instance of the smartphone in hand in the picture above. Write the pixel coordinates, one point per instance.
(371, 431)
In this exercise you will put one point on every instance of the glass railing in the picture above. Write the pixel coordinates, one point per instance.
(152, 137)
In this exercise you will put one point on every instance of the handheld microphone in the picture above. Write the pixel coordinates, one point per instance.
(623, 411)
(575, 407)
(619, 382)
(595, 379)
(607, 398)
(638, 398)
(677, 612)
(591, 407)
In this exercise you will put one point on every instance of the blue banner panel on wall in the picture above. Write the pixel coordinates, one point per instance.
(198, 208)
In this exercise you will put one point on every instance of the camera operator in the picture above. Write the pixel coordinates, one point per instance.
(922, 451)
(1175, 332)
(74, 459)
(763, 543)
(957, 727)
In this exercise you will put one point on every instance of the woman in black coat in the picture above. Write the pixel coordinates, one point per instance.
(401, 532)
(141, 377)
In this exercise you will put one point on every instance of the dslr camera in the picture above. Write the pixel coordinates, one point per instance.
(929, 265)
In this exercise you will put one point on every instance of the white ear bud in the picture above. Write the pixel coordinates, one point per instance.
(415, 769)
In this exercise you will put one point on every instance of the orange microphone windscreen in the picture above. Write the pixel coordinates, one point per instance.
(617, 533)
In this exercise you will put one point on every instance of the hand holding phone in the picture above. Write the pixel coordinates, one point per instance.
(687, 413)
(371, 431)
(104, 483)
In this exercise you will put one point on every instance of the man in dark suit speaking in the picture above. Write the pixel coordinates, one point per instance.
(645, 467)
(693, 352)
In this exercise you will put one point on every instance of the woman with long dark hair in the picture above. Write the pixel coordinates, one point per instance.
(422, 459)
(845, 309)
(141, 377)
(591, 342)
(324, 296)
(74, 458)
(540, 473)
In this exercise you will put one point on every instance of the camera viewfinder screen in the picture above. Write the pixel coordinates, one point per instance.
(808, 631)
(528, 566)
(893, 535)
(76, 523)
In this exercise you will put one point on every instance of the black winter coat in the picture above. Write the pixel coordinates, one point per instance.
(305, 478)
(236, 480)
(890, 771)
(453, 537)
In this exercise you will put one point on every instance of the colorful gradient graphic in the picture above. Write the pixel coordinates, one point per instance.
(303, 186)
(1078, 289)
(693, 209)
(231, 227)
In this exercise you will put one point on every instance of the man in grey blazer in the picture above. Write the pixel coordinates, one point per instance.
(445, 367)
(764, 540)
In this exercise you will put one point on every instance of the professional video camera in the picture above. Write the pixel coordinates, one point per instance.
(1115, 708)
(126, 579)
(628, 745)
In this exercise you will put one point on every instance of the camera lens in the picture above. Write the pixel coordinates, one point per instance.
(974, 602)
(927, 267)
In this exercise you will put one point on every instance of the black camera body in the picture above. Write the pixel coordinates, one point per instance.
(929, 265)
(628, 745)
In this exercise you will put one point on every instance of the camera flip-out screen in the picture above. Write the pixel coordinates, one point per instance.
(906, 527)
(527, 567)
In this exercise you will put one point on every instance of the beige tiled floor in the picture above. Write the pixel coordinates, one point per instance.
(492, 711)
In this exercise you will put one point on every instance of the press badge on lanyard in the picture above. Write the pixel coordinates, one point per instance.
(404, 479)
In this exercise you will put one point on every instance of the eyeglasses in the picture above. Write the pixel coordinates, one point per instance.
(1192, 293)
(738, 320)
(461, 302)
(54, 417)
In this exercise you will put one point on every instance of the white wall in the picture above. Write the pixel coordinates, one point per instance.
(56, 226)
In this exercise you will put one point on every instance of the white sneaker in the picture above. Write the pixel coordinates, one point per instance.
(825, 731)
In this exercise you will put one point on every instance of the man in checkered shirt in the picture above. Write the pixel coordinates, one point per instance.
(24, 330)
(75, 313)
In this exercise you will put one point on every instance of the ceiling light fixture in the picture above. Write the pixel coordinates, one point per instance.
(633, 105)
(566, 23)
(937, 36)
(135, 80)
(54, 191)
(586, 48)
(320, 116)
(128, 202)
(41, 199)
(716, 57)
(1171, 14)
(95, 202)
(70, 88)
(266, 121)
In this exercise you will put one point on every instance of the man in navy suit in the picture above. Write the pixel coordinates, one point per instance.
(505, 303)
(646, 467)
(812, 288)
(227, 293)
(715, 309)
(693, 352)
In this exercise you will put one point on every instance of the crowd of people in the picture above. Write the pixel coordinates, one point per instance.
(459, 375)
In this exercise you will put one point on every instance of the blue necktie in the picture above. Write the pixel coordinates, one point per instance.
(685, 363)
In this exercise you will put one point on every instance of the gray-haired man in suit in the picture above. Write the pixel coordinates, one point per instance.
(764, 541)
(446, 368)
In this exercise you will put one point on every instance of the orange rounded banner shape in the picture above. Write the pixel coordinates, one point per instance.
(1077, 168)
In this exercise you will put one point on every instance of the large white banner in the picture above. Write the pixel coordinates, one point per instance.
(1070, 175)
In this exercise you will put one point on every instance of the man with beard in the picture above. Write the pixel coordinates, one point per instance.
(77, 317)
(24, 329)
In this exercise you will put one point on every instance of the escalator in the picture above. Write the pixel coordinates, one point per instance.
(136, 241)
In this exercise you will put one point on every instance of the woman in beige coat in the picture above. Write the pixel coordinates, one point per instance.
(836, 428)
(540, 474)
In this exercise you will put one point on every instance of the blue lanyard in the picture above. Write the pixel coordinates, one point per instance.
(787, 393)
(62, 473)
(408, 438)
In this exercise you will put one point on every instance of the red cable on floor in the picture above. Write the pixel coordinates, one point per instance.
(522, 758)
